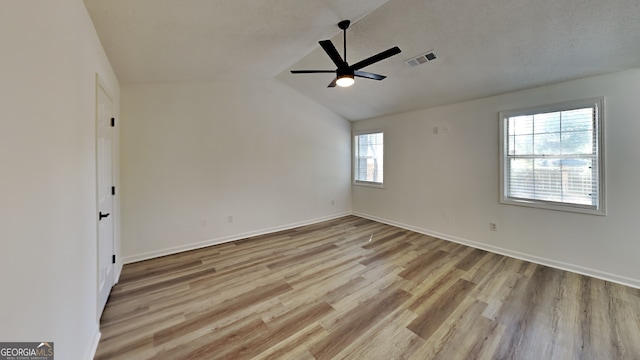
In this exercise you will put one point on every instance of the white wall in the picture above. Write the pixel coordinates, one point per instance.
(432, 178)
(48, 273)
(258, 151)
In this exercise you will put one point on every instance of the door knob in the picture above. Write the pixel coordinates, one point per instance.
(101, 215)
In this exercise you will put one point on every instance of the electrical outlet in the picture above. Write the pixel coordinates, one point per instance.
(493, 227)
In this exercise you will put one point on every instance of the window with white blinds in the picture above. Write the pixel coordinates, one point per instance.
(368, 158)
(552, 157)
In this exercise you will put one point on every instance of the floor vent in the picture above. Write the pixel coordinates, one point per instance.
(421, 59)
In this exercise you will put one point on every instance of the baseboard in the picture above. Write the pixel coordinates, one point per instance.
(118, 271)
(94, 346)
(602, 275)
(225, 239)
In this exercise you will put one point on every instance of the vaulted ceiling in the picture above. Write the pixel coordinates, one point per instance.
(483, 47)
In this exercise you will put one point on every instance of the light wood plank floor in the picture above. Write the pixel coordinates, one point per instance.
(352, 288)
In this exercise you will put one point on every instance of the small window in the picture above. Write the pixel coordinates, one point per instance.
(552, 157)
(368, 158)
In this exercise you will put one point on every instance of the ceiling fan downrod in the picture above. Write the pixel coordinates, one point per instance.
(344, 25)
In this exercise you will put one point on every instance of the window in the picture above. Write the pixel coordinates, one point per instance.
(368, 158)
(552, 157)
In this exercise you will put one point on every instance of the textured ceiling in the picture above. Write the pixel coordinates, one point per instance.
(176, 40)
(484, 47)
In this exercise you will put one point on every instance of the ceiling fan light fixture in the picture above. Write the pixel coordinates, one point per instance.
(345, 80)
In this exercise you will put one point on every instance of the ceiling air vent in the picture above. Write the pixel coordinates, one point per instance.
(421, 59)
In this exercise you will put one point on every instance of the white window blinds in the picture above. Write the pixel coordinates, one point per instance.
(553, 157)
(369, 158)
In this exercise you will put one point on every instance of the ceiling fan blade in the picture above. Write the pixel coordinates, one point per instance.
(333, 83)
(368, 75)
(328, 47)
(375, 58)
(313, 71)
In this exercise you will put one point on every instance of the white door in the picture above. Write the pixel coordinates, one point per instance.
(104, 138)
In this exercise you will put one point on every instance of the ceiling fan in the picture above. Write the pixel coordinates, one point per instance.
(345, 73)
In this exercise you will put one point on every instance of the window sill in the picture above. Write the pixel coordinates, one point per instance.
(369, 184)
(554, 206)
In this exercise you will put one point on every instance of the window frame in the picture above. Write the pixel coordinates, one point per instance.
(354, 160)
(598, 103)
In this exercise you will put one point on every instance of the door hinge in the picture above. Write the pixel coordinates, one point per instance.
(113, 122)
(113, 190)
(113, 259)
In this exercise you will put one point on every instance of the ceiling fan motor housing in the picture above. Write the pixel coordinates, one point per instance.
(348, 72)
